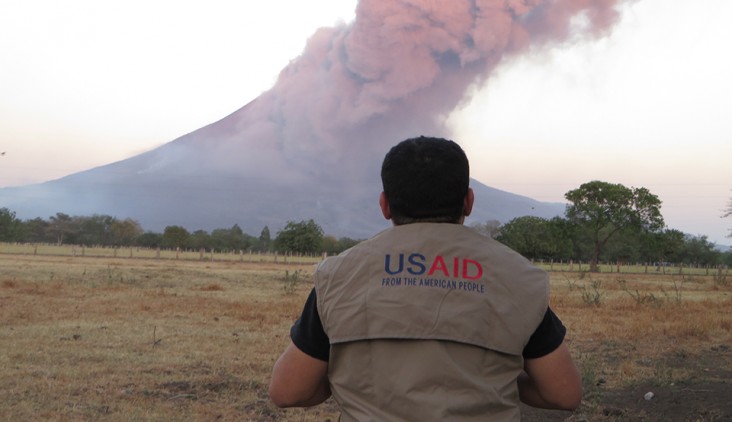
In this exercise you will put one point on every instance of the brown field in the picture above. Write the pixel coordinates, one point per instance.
(119, 339)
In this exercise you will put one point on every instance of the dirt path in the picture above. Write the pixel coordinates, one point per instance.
(704, 395)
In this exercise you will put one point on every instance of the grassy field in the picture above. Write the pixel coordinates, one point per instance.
(149, 253)
(120, 339)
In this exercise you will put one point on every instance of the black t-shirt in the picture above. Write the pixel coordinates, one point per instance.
(308, 335)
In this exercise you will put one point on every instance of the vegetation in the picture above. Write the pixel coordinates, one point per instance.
(150, 340)
(302, 237)
(604, 222)
(600, 210)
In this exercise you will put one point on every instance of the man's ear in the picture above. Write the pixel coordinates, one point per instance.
(384, 204)
(468, 202)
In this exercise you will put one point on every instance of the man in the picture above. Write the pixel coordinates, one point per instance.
(428, 320)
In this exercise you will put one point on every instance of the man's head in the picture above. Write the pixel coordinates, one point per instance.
(426, 179)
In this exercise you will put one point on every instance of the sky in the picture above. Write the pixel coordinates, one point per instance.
(85, 83)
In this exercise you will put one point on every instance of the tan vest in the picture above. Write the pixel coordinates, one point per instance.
(427, 322)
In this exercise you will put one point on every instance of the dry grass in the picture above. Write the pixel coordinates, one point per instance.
(124, 339)
(651, 329)
(86, 338)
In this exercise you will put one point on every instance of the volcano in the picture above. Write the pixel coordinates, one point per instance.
(311, 147)
(201, 181)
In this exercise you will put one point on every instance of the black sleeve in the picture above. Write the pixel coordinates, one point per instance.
(307, 333)
(547, 336)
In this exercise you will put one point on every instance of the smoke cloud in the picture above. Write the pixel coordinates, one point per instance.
(311, 146)
(397, 70)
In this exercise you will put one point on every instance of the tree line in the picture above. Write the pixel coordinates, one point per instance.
(607, 222)
(603, 222)
(304, 237)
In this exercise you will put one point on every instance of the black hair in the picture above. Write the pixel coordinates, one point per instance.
(426, 179)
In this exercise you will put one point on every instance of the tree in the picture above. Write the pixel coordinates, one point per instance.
(333, 246)
(37, 231)
(10, 227)
(265, 240)
(175, 237)
(530, 236)
(601, 210)
(62, 226)
(302, 237)
(230, 239)
(698, 250)
(124, 232)
(150, 240)
(200, 239)
(94, 230)
(663, 246)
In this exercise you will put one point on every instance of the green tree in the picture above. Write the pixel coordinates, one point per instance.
(663, 246)
(302, 237)
(601, 210)
(626, 246)
(333, 246)
(37, 231)
(123, 233)
(564, 235)
(230, 239)
(698, 250)
(175, 237)
(62, 227)
(10, 226)
(94, 230)
(265, 241)
(200, 239)
(150, 240)
(346, 243)
(532, 237)
(330, 245)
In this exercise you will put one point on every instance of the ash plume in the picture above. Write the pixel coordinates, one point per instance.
(397, 70)
(312, 145)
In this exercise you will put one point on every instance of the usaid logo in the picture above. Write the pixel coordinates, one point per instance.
(418, 264)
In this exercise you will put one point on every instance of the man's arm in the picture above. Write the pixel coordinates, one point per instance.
(298, 380)
(551, 381)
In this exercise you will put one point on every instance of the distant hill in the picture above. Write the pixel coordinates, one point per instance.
(168, 187)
